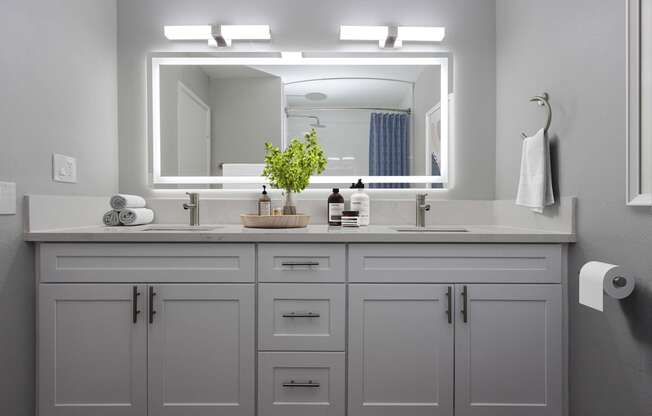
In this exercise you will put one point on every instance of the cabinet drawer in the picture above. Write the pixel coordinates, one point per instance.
(161, 263)
(301, 383)
(460, 263)
(301, 317)
(302, 262)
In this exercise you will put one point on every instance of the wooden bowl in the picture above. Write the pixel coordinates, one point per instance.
(274, 221)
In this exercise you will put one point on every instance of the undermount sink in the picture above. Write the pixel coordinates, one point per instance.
(431, 230)
(175, 227)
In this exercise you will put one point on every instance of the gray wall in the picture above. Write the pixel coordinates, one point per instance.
(58, 71)
(576, 51)
(311, 26)
(246, 113)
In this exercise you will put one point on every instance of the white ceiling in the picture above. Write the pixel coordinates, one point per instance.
(345, 86)
(233, 71)
(351, 93)
(293, 73)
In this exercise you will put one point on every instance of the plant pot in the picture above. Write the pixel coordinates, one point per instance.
(289, 206)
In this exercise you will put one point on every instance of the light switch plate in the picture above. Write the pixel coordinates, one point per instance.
(64, 168)
(7, 198)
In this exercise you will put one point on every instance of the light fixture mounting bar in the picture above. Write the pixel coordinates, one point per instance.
(218, 35)
(393, 36)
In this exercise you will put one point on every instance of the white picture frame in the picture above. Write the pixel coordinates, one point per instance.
(639, 148)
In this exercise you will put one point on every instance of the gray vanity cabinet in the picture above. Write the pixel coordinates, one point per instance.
(400, 350)
(407, 329)
(201, 348)
(138, 343)
(501, 352)
(508, 350)
(103, 347)
(92, 356)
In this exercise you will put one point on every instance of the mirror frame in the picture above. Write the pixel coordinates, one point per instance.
(635, 195)
(154, 117)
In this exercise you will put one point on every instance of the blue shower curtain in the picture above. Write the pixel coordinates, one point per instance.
(389, 147)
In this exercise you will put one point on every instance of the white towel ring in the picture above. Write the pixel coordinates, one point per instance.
(542, 100)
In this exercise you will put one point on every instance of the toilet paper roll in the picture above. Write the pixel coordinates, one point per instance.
(597, 279)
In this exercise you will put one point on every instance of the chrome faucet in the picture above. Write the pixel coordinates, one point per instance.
(193, 206)
(422, 207)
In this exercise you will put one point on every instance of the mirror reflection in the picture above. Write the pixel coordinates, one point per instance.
(371, 120)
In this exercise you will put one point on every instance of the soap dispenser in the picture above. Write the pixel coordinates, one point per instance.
(360, 202)
(264, 203)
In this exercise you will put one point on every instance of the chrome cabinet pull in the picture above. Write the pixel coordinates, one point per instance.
(301, 315)
(309, 384)
(152, 312)
(449, 299)
(134, 304)
(303, 263)
(465, 304)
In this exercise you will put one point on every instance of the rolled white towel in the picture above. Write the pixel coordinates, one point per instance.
(122, 201)
(112, 218)
(136, 216)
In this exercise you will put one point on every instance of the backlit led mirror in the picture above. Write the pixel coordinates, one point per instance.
(385, 120)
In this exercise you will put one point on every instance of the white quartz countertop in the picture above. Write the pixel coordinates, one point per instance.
(311, 234)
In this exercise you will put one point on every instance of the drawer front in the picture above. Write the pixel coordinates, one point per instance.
(160, 263)
(301, 383)
(301, 317)
(307, 263)
(459, 263)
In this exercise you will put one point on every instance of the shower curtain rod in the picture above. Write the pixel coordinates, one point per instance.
(395, 110)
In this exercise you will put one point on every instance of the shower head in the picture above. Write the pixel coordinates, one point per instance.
(316, 124)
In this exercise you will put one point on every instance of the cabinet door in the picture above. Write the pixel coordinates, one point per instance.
(400, 350)
(508, 350)
(201, 350)
(92, 350)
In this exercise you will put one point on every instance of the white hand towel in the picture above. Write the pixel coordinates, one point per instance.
(535, 183)
(136, 216)
(111, 218)
(122, 201)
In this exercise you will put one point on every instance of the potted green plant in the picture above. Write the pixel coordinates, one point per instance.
(291, 169)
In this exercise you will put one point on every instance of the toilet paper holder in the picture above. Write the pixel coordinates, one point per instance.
(619, 281)
(598, 279)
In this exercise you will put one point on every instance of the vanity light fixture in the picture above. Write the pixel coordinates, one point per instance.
(291, 56)
(218, 35)
(377, 33)
(393, 36)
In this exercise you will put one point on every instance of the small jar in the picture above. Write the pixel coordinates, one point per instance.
(350, 219)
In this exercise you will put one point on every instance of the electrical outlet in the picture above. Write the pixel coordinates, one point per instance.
(7, 198)
(64, 168)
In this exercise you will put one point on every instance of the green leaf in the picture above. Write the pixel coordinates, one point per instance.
(291, 169)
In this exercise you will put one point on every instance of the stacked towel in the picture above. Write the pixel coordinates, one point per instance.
(111, 218)
(535, 183)
(136, 216)
(127, 210)
(122, 201)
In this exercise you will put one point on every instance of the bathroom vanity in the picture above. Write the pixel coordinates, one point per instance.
(235, 322)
